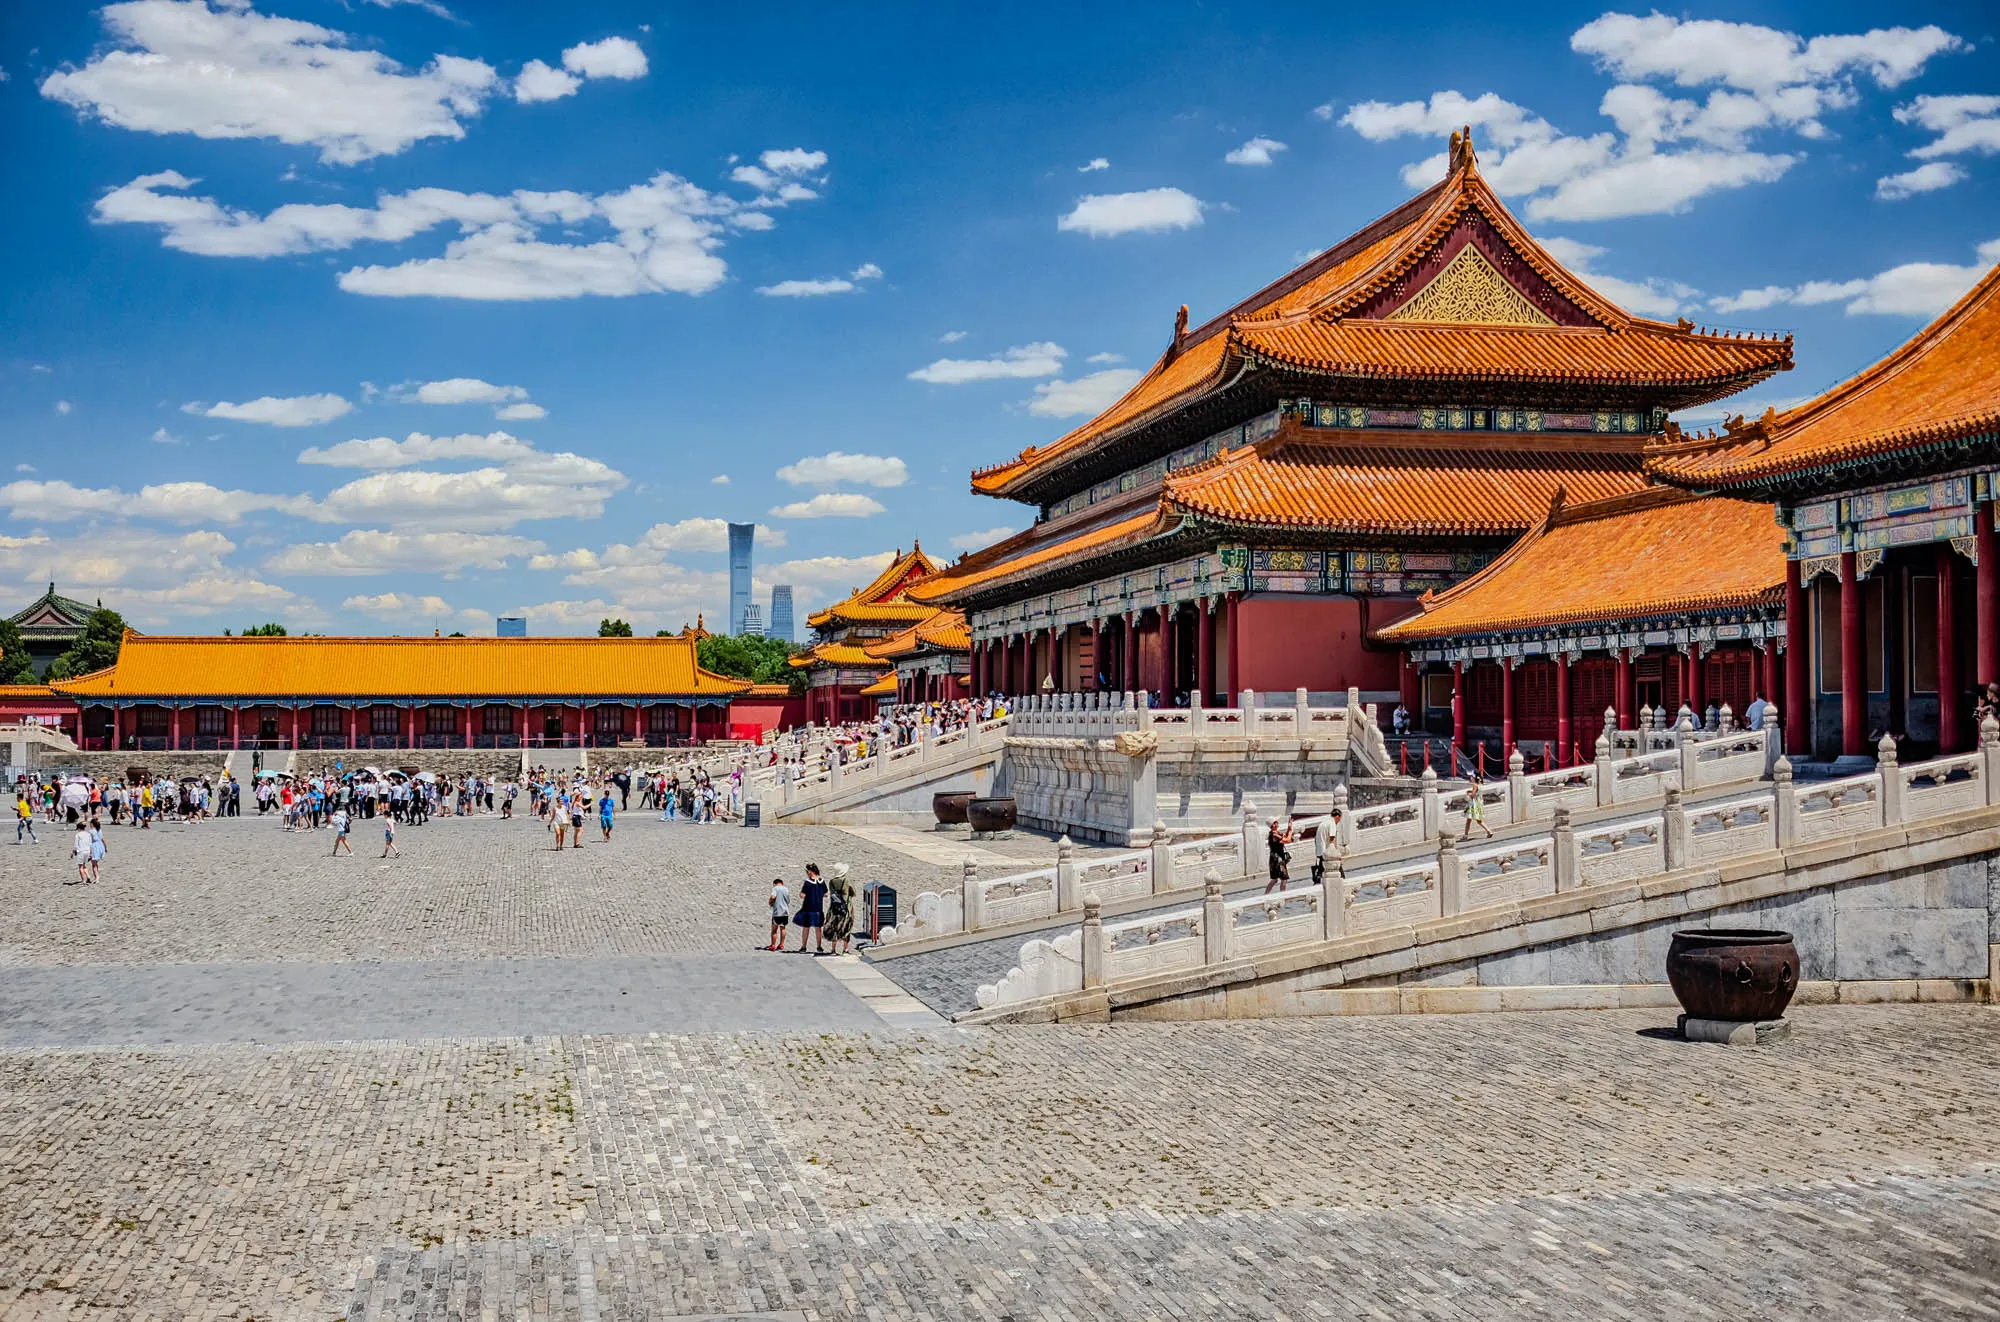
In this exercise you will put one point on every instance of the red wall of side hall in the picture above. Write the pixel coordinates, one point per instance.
(768, 713)
(1292, 642)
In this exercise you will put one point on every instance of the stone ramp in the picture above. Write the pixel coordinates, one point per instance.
(891, 788)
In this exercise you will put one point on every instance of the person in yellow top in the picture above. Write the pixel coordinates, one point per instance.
(146, 806)
(24, 817)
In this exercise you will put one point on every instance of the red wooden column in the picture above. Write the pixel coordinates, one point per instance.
(1458, 704)
(1129, 645)
(1853, 662)
(1951, 700)
(1622, 698)
(1697, 686)
(1768, 664)
(1986, 604)
(1796, 707)
(1561, 759)
(1168, 654)
(235, 726)
(1204, 650)
(1234, 620)
(410, 726)
(350, 727)
(1506, 707)
(295, 725)
(114, 727)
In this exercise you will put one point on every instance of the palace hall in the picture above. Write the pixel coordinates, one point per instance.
(845, 679)
(1292, 475)
(314, 692)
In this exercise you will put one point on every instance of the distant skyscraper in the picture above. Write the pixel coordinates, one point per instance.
(742, 536)
(510, 626)
(781, 612)
(753, 620)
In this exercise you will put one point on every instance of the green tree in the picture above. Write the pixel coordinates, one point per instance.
(270, 630)
(96, 647)
(613, 629)
(745, 656)
(16, 666)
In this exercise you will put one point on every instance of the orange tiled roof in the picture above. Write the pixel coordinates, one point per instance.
(884, 687)
(768, 691)
(1942, 385)
(191, 667)
(1044, 545)
(835, 654)
(1357, 482)
(944, 630)
(885, 593)
(19, 691)
(1653, 553)
(1325, 318)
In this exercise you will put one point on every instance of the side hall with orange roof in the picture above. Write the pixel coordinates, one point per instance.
(839, 665)
(1887, 491)
(931, 660)
(1291, 475)
(390, 693)
(1654, 599)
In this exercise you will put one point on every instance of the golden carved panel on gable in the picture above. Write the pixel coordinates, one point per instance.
(1470, 292)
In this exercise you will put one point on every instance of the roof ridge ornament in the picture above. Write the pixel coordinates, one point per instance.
(1461, 154)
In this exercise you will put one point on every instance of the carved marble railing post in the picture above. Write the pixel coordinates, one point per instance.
(1785, 805)
(1989, 753)
(1892, 780)
(1343, 827)
(1093, 945)
(1674, 831)
(972, 900)
(1163, 858)
(1302, 714)
(1451, 878)
(1610, 725)
(1197, 716)
(1067, 897)
(1725, 720)
(1256, 853)
(1689, 751)
(1248, 724)
(1562, 855)
(1517, 787)
(1143, 779)
(1774, 738)
(833, 771)
(1333, 905)
(1607, 787)
(1431, 814)
(1214, 922)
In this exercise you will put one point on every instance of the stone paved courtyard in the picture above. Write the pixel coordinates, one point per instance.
(241, 1080)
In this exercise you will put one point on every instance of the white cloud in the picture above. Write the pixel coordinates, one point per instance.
(835, 467)
(1090, 394)
(522, 412)
(1105, 358)
(518, 483)
(614, 57)
(719, 480)
(656, 543)
(949, 337)
(541, 82)
(1105, 215)
(1093, 165)
(1962, 123)
(662, 236)
(278, 411)
(161, 436)
(831, 505)
(24, 468)
(418, 448)
(973, 541)
(412, 608)
(1258, 151)
(1914, 289)
(152, 577)
(1667, 151)
(62, 407)
(375, 551)
(1926, 178)
(226, 71)
(1649, 298)
(461, 390)
(813, 288)
(829, 570)
(173, 502)
(1042, 358)
(1324, 110)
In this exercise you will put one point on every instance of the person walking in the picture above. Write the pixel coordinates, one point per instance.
(24, 817)
(781, 913)
(1326, 845)
(811, 916)
(1475, 813)
(96, 847)
(80, 851)
(579, 804)
(340, 823)
(839, 910)
(604, 814)
(1275, 841)
(389, 849)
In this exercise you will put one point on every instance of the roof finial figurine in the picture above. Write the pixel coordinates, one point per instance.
(1180, 333)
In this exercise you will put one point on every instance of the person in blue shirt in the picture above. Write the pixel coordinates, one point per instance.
(604, 813)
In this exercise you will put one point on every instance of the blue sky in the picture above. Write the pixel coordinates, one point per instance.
(382, 316)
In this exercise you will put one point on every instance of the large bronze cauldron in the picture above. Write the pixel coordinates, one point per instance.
(991, 814)
(948, 806)
(1734, 974)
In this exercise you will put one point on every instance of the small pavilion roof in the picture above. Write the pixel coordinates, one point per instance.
(1448, 285)
(883, 600)
(151, 665)
(1939, 390)
(846, 655)
(1657, 552)
(940, 631)
(884, 687)
(53, 613)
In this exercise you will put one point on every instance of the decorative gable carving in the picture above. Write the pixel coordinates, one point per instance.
(1468, 291)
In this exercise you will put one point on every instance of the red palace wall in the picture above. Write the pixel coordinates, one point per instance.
(767, 713)
(1315, 643)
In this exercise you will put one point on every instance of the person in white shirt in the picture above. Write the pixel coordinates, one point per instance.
(1326, 844)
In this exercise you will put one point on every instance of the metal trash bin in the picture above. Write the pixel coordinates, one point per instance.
(753, 813)
(878, 909)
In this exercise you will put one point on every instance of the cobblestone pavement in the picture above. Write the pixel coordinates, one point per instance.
(1561, 1166)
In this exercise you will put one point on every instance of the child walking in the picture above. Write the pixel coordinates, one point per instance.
(781, 913)
(389, 849)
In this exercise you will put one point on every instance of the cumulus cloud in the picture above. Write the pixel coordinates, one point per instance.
(1105, 358)
(412, 608)
(1090, 394)
(62, 407)
(1258, 151)
(719, 480)
(1649, 298)
(1041, 358)
(277, 411)
(1093, 165)
(847, 284)
(614, 57)
(541, 82)
(831, 505)
(1926, 178)
(652, 546)
(662, 236)
(376, 551)
(835, 467)
(1666, 151)
(1914, 289)
(222, 70)
(153, 577)
(515, 483)
(511, 403)
(1106, 215)
(973, 541)
(172, 502)
(952, 337)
